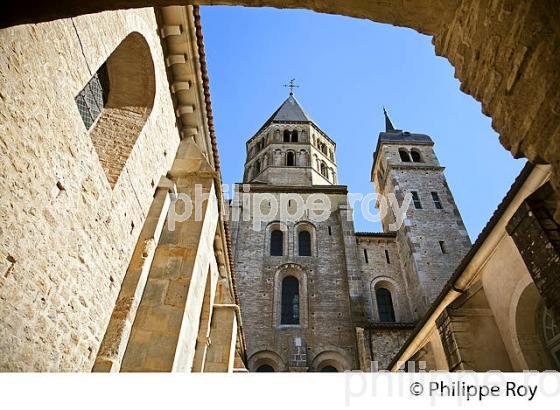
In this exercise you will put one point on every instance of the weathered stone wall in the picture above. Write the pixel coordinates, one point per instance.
(386, 342)
(425, 266)
(377, 271)
(66, 236)
(325, 311)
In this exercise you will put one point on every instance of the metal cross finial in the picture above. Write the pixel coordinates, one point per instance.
(291, 86)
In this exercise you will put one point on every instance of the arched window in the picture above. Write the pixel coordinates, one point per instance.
(276, 243)
(286, 136)
(324, 171)
(385, 305)
(290, 159)
(416, 157)
(265, 368)
(404, 155)
(324, 149)
(257, 167)
(329, 369)
(294, 136)
(119, 97)
(290, 301)
(304, 243)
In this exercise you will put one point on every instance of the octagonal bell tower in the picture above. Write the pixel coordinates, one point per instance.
(290, 149)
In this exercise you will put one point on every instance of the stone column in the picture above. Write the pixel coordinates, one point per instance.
(165, 330)
(116, 337)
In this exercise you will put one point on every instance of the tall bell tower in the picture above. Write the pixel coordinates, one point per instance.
(290, 149)
(433, 238)
(293, 273)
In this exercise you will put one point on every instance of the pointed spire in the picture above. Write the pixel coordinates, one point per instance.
(388, 124)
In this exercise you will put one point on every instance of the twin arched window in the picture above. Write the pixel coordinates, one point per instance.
(385, 305)
(290, 301)
(290, 136)
(414, 155)
(276, 243)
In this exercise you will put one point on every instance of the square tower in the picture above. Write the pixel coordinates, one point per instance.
(432, 239)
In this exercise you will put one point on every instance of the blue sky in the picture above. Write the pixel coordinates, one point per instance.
(348, 69)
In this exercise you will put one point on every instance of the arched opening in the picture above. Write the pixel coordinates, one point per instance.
(329, 369)
(404, 155)
(415, 155)
(257, 167)
(276, 243)
(290, 301)
(265, 368)
(385, 305)
(117, 102)
(304, 243)
(286, 136)
(324, 171)
(294, 136)
(290, 159)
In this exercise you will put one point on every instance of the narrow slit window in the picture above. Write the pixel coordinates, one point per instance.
(330, 231)
(437, 201)
(416, 200)
(387, 256)
(366, 256)
(442, 247)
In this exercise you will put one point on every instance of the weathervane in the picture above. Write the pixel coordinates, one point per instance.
(291, 86)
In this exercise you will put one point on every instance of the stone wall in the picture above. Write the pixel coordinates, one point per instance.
(381, 270)
(66, 234)
(425, 264)
(325, 306)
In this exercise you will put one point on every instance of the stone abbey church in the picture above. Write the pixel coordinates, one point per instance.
(106, 134)
(303, 285)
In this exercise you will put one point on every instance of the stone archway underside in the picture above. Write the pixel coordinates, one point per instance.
(506, 53)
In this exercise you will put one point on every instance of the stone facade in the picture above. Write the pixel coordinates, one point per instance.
(93, 277)
(340, 278)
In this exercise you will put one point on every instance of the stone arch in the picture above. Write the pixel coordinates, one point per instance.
(298, 272)
(332, 358)
(290, 158)
(266, 357)
(391, 285)
(404, 155)
(272, 226)
(309, 227)
(526, 311)
(132, 89)
(415, 155)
